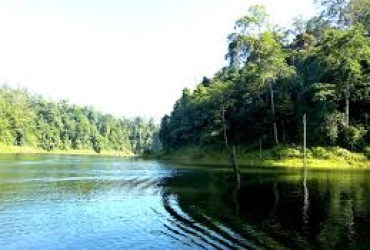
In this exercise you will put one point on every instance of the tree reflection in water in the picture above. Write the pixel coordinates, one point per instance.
(265, 210)
(306, 203)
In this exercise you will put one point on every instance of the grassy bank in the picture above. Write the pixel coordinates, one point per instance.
(284, 157)
(4, 149)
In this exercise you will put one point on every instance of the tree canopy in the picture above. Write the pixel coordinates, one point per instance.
(320, 68)
(29, 120)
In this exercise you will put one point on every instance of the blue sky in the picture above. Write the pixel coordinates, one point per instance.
(125, 57)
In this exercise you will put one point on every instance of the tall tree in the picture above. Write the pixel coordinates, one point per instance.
(343, 55)
(358, 12)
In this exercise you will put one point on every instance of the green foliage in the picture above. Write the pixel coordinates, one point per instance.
(320, 153)
(323, 72)
(27, 120)
(344, 153)
(352, 137)
(367, 152)
(358, 12)
(330, 129)
(284, 152)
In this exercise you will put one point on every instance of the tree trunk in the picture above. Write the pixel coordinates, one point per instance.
(273, 113)
(225, 128)
(231, 150)
(233, 163)
(260, 148)
(347, 104)
(304, 141)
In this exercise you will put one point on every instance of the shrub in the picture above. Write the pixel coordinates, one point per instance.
(351, 137)
(367, 152)
(344, 153)
(321, 153)
(283, 153)
(329, 130)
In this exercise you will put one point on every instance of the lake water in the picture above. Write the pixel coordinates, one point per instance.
(91, 203)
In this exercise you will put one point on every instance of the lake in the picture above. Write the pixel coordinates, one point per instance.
(70, 202)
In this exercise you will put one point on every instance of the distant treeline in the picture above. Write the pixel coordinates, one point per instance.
(320, 68)
(30, 120)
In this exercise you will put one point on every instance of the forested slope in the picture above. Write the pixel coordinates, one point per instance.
(30, 120)
(320, 68)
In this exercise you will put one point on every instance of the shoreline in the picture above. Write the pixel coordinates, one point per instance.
(269, 165)
(8, 150)
(284, 158)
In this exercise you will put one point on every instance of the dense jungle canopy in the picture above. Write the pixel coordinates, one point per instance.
(320, 67)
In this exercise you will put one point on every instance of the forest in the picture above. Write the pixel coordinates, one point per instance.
(319, 68)
(30, 120)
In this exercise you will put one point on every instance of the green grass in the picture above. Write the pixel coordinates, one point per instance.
(278, 157)
(5, 149)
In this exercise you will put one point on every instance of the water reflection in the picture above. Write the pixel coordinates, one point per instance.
(306, 203)
(334, 209)
(73, 203)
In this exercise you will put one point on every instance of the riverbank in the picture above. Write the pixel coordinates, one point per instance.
(279, 157)
(4, 149)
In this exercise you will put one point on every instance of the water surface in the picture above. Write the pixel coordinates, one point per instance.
(70, 202)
